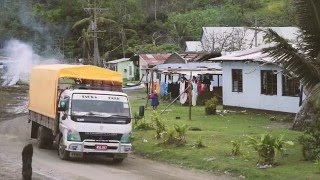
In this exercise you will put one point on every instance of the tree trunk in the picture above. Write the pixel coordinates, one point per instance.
(309, 112)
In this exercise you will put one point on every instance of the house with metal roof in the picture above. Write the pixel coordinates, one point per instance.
(126, 67)
(251, 79)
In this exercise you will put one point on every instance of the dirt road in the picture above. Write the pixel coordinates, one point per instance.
(14, 134)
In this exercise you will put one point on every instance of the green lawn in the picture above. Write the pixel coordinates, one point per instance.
(217, 133)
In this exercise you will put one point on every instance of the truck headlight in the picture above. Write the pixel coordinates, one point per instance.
(125, 138)
(73, 136)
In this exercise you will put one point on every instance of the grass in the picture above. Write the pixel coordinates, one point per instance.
(217, 132)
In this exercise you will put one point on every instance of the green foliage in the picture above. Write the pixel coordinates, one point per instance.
(310, 142)
(211, 106)
(144, 125)
(235, 151)
(136, 118)
(266, 147)
(181, 131)
(199, 143)
(317, 163)
(159, 125)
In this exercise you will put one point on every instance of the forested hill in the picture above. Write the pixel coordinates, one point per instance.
(129, 26)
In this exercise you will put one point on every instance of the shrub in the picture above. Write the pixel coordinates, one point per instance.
(266, 147)
(181, 131)
(170, 137)
(211, 106)
(235, 151)
(144, 125)
(136, 118)
(159, 125)
(310, 142)
(199, 143)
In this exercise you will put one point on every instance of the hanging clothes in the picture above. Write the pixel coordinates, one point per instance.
(194, 93)
(184, 96)
(163, 89)
(156, 87)
(200, 90)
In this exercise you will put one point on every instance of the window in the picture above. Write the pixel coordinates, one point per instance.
(130, 70)
(236, 80)
(290, 86)
(268, 82)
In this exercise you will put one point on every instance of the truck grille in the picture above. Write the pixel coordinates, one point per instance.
(100, 136)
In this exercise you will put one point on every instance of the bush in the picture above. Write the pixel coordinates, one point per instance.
(199, 143)
(159, 125)
(136, 118)
(310, 142)
(211, 106)
(144, 125)
(235, 151)
(266, 147)
(176, 135)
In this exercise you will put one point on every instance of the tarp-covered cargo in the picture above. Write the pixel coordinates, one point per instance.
(43, 88)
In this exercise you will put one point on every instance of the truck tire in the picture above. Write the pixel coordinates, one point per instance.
(62, 152)
(45, 138)
(41, 138)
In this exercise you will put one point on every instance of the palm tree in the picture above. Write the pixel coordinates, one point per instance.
(303, 61)
(84, 39)
(92, 22)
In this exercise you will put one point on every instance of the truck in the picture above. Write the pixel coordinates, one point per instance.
(81, 110)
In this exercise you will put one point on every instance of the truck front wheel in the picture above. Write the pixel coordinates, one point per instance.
(63, 153)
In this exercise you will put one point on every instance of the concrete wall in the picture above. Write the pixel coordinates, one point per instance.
(251, 96)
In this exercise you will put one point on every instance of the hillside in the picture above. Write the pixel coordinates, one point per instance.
(129, 26)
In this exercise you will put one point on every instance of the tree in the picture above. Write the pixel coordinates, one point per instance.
(85, 39)
(303, 62)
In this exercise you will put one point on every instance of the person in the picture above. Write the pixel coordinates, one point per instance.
(154, 100)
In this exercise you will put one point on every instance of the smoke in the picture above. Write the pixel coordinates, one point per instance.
(21, 60)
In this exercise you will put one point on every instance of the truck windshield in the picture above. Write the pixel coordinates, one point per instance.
(82, 107)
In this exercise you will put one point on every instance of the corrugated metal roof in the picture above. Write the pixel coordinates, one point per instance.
(241, 37)
(118, 60)
(253, 54)
(154, 59)
(194, 46)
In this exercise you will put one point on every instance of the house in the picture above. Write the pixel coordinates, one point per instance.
(229, 39)
(252, 80)
(125, 66)
(147, 61)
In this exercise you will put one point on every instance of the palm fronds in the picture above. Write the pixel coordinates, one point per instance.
(291, 59)
(308, 16)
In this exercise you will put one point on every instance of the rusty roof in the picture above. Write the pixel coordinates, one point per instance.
(154, 59)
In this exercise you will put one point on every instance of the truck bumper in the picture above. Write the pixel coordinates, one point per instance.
(90, 148)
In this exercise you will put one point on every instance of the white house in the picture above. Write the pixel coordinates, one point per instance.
(252, 80)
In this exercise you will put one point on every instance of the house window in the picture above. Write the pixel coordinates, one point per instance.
(268, 82)
(290, 86)
(236, 80)
(130, 70)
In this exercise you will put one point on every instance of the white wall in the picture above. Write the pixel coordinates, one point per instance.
(251, 96)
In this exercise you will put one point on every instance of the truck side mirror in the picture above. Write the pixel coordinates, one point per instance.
(141, 111)
(63, 105)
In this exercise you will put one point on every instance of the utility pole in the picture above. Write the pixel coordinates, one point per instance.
(155, 11)
(95, 31)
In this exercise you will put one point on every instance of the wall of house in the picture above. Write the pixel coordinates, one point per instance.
(142, 66)
(124, 68)
(251, 96)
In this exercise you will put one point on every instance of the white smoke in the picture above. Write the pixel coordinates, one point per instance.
(21, 60)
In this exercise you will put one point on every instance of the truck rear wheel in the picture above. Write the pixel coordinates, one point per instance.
(44, 137)
(62, 152)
